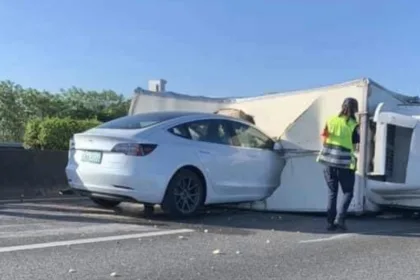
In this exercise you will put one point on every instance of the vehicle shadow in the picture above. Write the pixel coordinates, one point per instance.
(71, 212)
(390, 224)
(215, 219)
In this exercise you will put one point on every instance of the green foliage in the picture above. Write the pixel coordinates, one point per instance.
(55, 133)
(19, 105)
(31, 137)
(12, 120)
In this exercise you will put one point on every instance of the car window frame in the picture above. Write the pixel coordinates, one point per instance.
(133, 119)
(237, 142)
(184, 125)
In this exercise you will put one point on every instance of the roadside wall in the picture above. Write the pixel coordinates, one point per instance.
(30, 173)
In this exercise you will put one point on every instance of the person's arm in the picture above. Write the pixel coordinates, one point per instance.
(356, 137)
(324, 134)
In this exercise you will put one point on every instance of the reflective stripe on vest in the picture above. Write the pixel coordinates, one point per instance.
(335, 156)
(337, 150)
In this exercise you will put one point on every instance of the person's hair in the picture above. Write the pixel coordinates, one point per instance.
(348, 113)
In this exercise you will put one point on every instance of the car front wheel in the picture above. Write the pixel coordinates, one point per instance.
(105, 202)
(184, 195)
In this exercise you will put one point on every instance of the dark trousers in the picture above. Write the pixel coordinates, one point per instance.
(346, 178)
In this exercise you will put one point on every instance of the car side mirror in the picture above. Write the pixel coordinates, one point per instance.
(277, 146)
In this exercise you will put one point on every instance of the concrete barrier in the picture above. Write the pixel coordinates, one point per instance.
(31, 173)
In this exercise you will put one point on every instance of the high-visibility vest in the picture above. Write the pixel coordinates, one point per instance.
(337, 150)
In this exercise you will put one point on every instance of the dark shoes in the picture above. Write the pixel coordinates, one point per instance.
(341, 226)
(331, 227)
(337, 226)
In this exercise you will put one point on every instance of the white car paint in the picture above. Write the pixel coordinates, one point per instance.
(231, 173)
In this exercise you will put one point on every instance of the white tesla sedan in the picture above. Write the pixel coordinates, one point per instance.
(180, 160)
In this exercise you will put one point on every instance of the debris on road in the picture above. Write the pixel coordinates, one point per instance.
(71, 270)
(216, 252)
(114, 274)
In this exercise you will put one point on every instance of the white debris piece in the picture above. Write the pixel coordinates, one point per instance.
(238, 252)
(268, 241)
(181, 237)
(206, 230)
(216, 252)
(71, 270)
(114, 274)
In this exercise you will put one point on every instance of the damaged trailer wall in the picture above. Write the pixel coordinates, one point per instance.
(147, 101)
(297, 118)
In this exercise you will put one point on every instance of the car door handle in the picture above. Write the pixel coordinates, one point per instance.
(205, 152)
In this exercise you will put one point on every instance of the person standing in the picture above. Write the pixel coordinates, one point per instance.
(340, 136)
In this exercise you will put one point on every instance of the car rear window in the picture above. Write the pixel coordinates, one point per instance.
(137, 121)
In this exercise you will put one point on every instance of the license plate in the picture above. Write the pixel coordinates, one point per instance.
(92, 157)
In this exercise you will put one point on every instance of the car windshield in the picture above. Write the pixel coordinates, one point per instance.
(139, 121)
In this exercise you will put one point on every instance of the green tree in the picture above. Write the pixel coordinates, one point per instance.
(104, 106)
(12, 121)
(18, 105)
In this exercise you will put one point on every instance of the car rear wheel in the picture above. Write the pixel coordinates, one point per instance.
(106, 203)
(184, 195)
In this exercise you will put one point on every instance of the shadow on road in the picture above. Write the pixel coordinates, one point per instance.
(216, 219)
(72, 212)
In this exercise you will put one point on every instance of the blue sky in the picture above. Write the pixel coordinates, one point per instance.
(213, 47)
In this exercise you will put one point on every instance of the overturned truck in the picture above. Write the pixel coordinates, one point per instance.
(388, 158)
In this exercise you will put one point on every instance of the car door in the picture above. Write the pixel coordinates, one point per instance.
(263, 170)
(220, 159)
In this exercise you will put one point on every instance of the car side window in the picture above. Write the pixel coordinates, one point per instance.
(249, 137)
(211, 131)
(180, 131)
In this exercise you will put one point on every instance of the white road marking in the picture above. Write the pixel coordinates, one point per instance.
(57, 205)
(47, 230)
(23, 200)
(334, 237)
(90, 240)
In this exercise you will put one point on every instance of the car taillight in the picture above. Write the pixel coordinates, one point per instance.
(132, 149)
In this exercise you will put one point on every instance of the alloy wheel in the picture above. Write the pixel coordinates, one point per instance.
(187, 195)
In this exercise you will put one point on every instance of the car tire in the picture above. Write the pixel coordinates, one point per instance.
(105, 202)
(184, 195)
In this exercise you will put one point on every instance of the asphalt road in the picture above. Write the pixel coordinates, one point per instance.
(76, 240)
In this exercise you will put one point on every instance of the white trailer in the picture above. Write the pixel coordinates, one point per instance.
(389, 152)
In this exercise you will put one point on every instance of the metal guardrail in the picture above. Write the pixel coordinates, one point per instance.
(11, 145)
